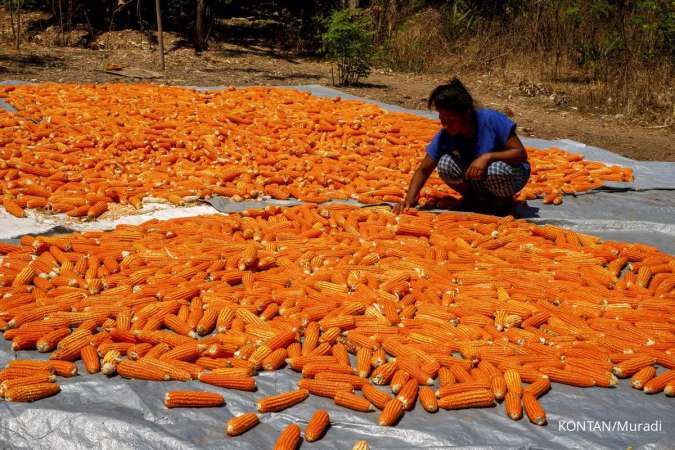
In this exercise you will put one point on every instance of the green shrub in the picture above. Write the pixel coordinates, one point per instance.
(348, 42)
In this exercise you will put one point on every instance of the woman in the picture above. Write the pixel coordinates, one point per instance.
(477, 152)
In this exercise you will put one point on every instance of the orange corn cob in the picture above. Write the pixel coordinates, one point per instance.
(375, 396)
(140, 371)
(428, 399)
(229, 382)
(642, 377)
(311, 369)
(450, 389)
(324, 388)
(499, 387)
(31, 392)
(340, 352)
(384, 373)
(166, 366)
(398, 380)
(13, 208)
(25, 381)
(242, 423)
(64, 369)
(192, 399)
(512, 379)
(361, 445)
(289, 439)
(49, 341)
(352, 401)
(363, 361)
(392, 413)
(568, 377)
(445, 376)
(275, 360)
(631, 366)
(356, 381)
(279, 402)
(408, 394)
(513, 405)
(469, 399)
(669, 389)
(533, 409)
(659, 382)
(90, 359)
(317, 426)
(538, 388)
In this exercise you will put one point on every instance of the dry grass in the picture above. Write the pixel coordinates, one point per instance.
(626, 85)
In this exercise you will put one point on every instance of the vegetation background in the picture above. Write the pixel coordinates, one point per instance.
(609, 57)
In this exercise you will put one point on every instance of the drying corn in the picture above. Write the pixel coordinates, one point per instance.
(80, 149)
(493, 308)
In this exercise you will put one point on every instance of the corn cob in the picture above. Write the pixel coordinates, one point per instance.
(339, 351)
(538, 388)
(375, 396)
(363, 361)
(533, 409)
(311, 369)
(355, 381)
(352, 401)
(317, 426)
(512, 379)
(384, 373)
(275, 360)
(25, 381)
(408, 394)
(361, 445)
(65, 369)
(498, 387)
(450, 389)
(289, 439)
(229, 382)
(513, 405)
(669, 389)
(642, 376)
(659, 382)
(631, 366)
(469, 399)
(138, 370)
(90, 359)
(31, 392)
(392, 413)
(279, 402)
(568, 377)
(192, 399)
(428, 399)
(242, 423)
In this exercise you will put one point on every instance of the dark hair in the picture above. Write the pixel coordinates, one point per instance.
(453, 97)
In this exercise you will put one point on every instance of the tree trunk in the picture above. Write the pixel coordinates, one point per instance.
(17, 36)
(200, 29)
(160, 35)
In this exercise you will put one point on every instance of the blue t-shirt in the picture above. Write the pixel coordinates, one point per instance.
(492, 131)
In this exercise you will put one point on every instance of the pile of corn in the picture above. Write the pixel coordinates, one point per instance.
(375, 310)
(75, 149)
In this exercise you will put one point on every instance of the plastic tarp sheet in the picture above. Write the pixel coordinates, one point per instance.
(95, 412)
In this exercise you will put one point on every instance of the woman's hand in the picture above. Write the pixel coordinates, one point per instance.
(478, 167)
(401, 207)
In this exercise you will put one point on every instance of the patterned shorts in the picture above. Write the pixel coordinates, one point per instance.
(501, 179)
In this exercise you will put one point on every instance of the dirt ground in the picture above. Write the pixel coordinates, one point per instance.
(537, 115)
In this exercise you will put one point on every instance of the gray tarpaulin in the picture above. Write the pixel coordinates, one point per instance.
(93, 411)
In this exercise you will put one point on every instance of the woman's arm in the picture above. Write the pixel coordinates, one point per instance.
(421, 175)
(513, 153)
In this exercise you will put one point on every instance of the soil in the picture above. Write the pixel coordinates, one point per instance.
(538, 114)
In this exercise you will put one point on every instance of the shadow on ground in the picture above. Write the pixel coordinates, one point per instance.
(7, 61)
